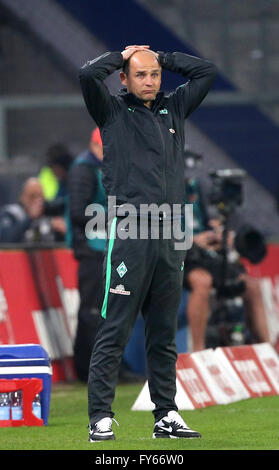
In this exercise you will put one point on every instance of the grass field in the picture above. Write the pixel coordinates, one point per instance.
(246, 425)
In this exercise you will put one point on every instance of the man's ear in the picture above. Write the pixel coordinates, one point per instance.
(123, 78)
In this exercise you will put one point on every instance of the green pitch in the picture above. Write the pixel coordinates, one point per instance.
(246, 425)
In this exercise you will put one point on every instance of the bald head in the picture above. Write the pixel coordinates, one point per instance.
(143, 57)
(32, 185)
(142, 76)
(32, 197)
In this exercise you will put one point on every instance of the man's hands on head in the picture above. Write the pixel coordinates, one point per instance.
(130, 50)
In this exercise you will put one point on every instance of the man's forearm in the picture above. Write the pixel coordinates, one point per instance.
(102, 66)
(96, 95)
(200, 73)
(187, 65)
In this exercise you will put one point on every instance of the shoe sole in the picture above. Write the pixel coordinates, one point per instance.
(171, 436)
(102, 439)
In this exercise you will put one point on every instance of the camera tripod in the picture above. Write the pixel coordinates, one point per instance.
(226, 322)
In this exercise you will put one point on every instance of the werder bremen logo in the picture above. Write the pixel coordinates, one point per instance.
(121, 269)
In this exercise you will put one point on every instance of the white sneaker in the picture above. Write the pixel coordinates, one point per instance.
(101, 431)
(173, 426)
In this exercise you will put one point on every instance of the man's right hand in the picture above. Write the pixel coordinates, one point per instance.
(208, 240)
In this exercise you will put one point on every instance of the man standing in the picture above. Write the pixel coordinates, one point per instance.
(143, 137)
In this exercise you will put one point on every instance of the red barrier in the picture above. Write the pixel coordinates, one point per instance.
(222, 381)
(221, 376)
(268, 274)
(250, 370)
(21, 299)
(192, 382)
(39, 301)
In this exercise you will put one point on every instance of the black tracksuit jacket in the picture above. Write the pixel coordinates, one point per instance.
(143, 148)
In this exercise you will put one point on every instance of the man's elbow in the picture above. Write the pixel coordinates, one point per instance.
(84, 72)
(212, 69)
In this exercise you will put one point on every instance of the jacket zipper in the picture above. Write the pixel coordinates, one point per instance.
(164, 185)
(164, 188)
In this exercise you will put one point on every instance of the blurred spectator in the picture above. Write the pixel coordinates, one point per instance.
(84, 188)
(203, 272)
(25, 221)
(53, 176)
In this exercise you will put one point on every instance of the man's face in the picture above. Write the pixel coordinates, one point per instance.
(32, 193)
(32, 198)
(144, 77)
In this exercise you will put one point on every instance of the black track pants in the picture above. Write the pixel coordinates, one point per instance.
(140, 275)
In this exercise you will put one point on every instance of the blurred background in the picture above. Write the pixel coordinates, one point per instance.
(43, 44)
